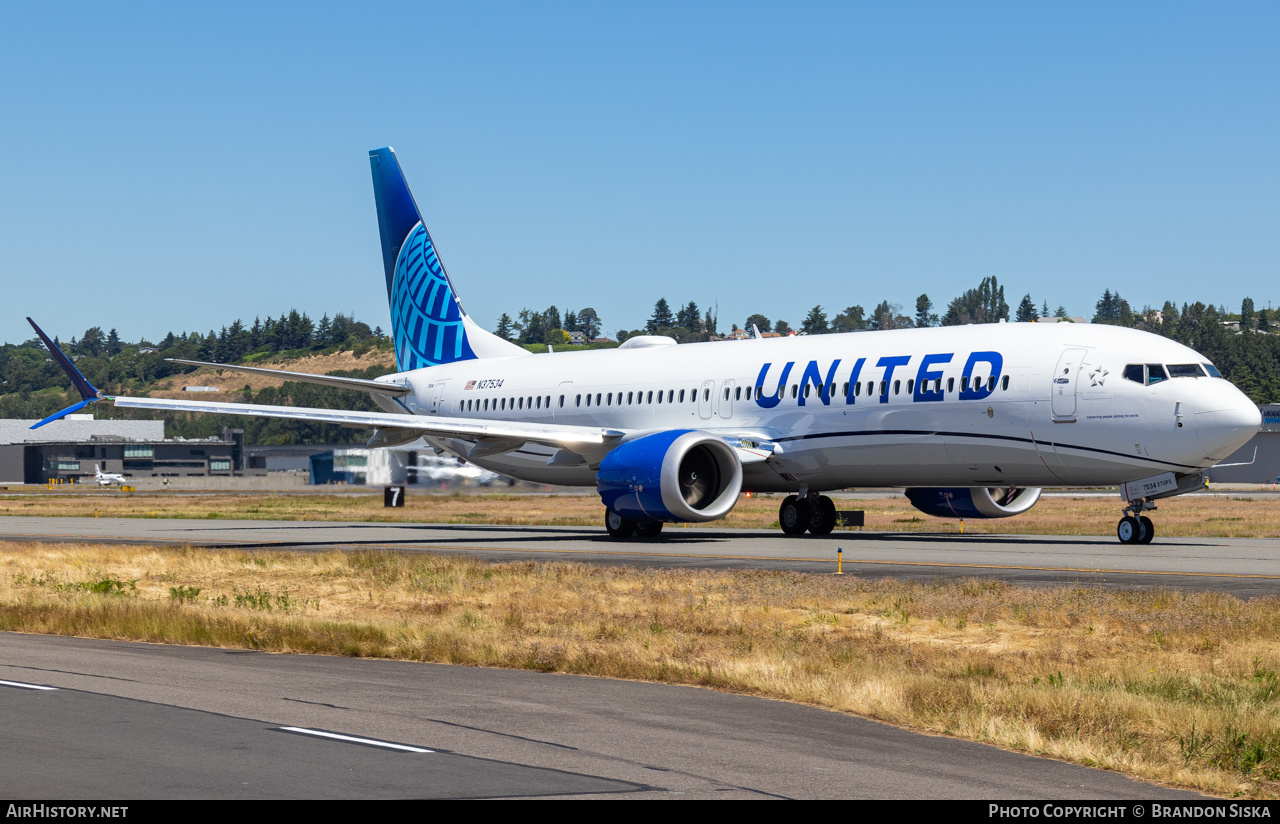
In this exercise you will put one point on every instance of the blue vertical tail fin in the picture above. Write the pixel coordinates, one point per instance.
(428, 324)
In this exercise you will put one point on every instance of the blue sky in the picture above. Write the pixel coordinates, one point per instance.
(173, 166)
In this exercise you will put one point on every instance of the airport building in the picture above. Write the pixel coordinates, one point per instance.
(66, 451)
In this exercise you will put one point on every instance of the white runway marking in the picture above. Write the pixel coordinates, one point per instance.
(370, 742)
(21, 685)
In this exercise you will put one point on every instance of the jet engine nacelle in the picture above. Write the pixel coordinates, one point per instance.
(681, 475)
(974, 502)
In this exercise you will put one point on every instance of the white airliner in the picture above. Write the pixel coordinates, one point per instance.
(107, 478)
(973, 420)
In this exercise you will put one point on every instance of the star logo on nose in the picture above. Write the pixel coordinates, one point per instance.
(1098, 376)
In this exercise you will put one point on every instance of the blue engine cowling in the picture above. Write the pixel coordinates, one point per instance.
(682, 475)
(974, 502)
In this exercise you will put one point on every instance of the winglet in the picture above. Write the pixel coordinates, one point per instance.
(88, 393)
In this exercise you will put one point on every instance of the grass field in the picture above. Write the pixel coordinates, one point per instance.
(1175, 687)
(1232, 515)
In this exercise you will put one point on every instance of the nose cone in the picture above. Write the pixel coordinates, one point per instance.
(1225, 418)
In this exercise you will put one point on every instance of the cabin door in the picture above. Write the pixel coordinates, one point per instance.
(706, 399)
(437, 397)
(1063, 387)
(726, 399)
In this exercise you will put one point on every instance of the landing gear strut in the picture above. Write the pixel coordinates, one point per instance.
(1134, 527)
(813, 513)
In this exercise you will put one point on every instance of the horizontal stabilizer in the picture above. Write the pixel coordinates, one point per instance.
(394, 390)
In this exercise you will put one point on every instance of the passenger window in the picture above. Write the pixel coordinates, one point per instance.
(991, 383)
(539, 402)
(649, 397)
(608, 399)
(1155, 373)
(726, 393)
(794, 390)
(562, 401)
(737, 394)
(806, 390)
(844, 388)
(1004, 384)
(681, 396)
(951, 384)
(884, 388)
(1134, 372)
(628, 397)
(896, 386)
(706, 394)
(911, 385)
(871, 388)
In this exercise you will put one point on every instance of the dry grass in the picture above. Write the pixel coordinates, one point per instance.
(1169, 686)
(1233, 515)
(229, 381)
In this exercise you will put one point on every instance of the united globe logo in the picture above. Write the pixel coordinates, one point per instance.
(425, 318)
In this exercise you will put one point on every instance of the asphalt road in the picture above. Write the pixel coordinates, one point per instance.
(1241, 566)
(138, 721)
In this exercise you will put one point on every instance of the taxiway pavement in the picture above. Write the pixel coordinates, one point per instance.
(1241, 566)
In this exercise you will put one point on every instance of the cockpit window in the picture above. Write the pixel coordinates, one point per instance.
(1134, 372)
(1156, 373)
(1212, 370)
(1185, 370)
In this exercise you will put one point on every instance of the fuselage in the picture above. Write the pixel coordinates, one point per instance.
(983, 405)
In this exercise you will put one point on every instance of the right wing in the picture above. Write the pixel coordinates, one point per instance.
(394, 390)
(468, 428)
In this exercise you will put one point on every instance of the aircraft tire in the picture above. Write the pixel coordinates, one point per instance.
(822, 518)
(648, 529)
(1129, 530)
(618, 526)
(1148, 530)
(793, 515)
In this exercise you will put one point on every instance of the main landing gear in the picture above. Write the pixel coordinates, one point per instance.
(813, 513)
(1134, 527)
(620, 527)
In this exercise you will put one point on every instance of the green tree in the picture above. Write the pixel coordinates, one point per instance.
(589, 323)
(504, 327)
(1247, 317)
(1113, 310)
(985, 304)
(1026, 310)
(759, 321)
(850, 320)
(816, 322)
(924, 308)
(690, 318)
(661, 318)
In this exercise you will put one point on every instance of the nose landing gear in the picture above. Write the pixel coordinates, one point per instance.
(1134, 527)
